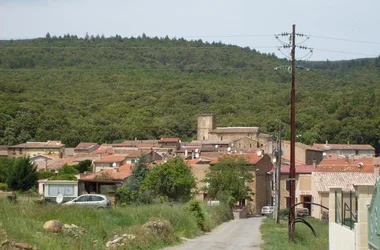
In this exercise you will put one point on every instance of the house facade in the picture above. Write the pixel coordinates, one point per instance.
(109, 162)
(349, 151)
(304, 154)
(37, 148)
(86, 147)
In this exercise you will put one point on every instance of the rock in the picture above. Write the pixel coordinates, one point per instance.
(119, 241)
(158, 227)
(73, 230)
(11, 245)
(53, 226)
(24, 246)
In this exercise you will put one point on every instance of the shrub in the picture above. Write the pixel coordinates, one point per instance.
(3, 186)
(195, 208)
(284, 213)
(45, 175)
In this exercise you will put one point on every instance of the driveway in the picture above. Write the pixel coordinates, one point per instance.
(233, 235)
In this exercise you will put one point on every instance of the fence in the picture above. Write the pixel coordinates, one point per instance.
(346, 207)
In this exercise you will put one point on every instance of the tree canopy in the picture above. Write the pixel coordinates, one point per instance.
(22, 174)
(172, 179)
(229, 178)
(105, 89)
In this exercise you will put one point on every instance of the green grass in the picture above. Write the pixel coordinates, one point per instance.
(23, 222)
(275, 236)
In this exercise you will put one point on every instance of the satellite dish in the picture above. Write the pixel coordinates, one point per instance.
(59, 198)
(324, 154)
(259, 153)
(216, 146)
(229, 149)
(196, 150)
(197, 155)
(114, 164)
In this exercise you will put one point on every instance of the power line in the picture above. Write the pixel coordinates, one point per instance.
(345, 39)
(346, 52)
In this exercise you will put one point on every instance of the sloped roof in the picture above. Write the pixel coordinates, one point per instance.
(37, 145)
(163, 140)
(343, 146)
(197, 161)
(136, 153)
(300, 169)
(364, 165)
(322, 181)
(251, 158)
(220, 130)
(111, 158)
(113, 174)
(85, 145)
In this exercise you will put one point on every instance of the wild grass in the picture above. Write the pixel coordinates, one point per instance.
(23, 222)
(275, 236)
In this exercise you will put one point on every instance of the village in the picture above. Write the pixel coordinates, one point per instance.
(318, 167)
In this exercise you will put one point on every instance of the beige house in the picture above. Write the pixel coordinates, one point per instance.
(37, 148)
(340, 173)
(349, 151)
(304, 154)
(109, 162)
(303, 185)
(199, 169)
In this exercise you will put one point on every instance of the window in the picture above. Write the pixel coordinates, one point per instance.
(221, 138)
(96, 198)
(54, 190)
(250, 145)
(133, 160)
(357, 152)
(287, 185)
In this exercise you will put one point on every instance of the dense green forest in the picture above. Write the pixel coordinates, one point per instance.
(108, 89)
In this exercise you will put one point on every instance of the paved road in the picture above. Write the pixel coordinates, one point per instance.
(233, 235)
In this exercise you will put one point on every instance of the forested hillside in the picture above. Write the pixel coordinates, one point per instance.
(108, 89)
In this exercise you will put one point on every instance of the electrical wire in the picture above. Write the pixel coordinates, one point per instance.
(345, 39)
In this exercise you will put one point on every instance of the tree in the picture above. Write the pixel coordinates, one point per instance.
(22, 174)
(84, 166)
(5, 164)
(48, 36)
(130, 192)
(227, 179)
(172, 179)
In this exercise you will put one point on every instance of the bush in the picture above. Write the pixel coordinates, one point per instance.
(68, 177)
(195, 208)
(3, 186)
(45, 175)
(284, 213)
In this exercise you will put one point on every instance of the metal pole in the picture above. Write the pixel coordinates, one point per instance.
(292, 174)
(278, 177)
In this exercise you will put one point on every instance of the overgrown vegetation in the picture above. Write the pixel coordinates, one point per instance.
(275, 236)
(105, 89)
(227, 179)
(23, 222)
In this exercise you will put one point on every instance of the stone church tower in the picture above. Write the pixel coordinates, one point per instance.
(206, 123)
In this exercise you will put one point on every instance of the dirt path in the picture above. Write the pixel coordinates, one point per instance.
(234, 235)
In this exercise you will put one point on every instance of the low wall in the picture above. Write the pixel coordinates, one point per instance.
(341, 237)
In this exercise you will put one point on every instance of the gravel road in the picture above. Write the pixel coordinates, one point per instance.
(234, 235)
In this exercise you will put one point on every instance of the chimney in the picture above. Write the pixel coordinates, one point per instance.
(376, 168)
(314, 163)
(186, 153)
(327, 142)
(192, 154)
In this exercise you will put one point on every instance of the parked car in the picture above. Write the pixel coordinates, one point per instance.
(91, 200)
(266, 210)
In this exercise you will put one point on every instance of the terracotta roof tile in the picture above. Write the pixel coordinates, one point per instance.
(235, 130)
(343, 146)
(48, 144)
(163, 140)
(323, 181)
(113, 174)
(85, 145)
(364, 165)
(111, 158)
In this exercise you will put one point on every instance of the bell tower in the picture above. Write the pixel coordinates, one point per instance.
(206, 123)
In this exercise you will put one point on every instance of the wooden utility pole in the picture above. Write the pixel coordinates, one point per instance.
(278, 176)
(292, 173)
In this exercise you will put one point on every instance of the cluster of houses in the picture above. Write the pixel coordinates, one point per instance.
(317, 167)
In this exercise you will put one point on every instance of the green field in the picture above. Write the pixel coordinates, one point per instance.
(275, 236)
(23, 222)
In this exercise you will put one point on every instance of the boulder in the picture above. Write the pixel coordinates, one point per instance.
(73, 230)
(53, 226)
(119, 241)
(158, 227)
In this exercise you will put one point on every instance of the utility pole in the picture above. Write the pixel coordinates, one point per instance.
(292, 173)
(278, 177)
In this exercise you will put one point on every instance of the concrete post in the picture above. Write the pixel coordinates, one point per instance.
(364, 193)
(332, 211)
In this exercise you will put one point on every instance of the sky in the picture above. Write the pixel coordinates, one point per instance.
(337, 29)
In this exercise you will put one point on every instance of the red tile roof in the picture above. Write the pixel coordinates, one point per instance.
(104, 150)
(111, 158)
(364, 165)
(197, 161)
(252, 158)
(85, 145)
(323, 181)
(235, 130)
(170, 140)
(136, 153)
(343, 146)
(38, 145)
(300, 169)
(112, 174)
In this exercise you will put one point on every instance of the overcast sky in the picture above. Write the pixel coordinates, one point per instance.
(229, 21)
